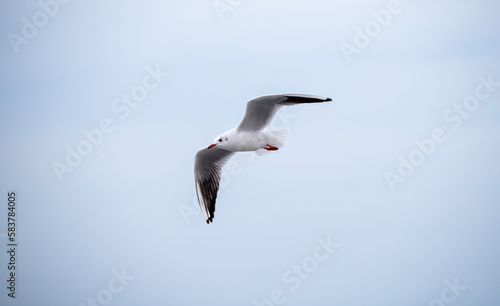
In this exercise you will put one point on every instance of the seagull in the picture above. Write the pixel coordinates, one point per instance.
(249, 135)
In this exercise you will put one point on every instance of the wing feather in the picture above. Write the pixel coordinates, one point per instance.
(260, 111)
(208, 165)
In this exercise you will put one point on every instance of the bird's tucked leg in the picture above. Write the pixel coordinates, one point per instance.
(271, 148)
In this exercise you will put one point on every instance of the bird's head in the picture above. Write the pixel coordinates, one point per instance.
(220, 141)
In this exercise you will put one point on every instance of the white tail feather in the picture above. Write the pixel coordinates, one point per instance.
(278, 137)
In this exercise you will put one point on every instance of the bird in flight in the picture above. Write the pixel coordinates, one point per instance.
(248, 136)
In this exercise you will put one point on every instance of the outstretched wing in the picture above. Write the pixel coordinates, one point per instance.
(260, 111)
(208, 165)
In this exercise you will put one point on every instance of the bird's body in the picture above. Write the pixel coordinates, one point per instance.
(248, 136)
(244, 141)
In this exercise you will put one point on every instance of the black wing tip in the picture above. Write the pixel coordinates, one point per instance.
(305, 99)
(212, 210)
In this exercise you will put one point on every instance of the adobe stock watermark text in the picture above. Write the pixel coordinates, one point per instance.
(48, 9)
(297, 274)
(121, 107)
(453, 117)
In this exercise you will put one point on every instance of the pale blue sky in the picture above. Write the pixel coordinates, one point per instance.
(120, 211)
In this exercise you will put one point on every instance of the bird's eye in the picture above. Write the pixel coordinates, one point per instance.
(220, 140)
(226, 138)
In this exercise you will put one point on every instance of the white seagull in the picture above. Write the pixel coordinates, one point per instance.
(248, 136)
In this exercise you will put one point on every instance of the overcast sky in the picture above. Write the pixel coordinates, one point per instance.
(389, 195)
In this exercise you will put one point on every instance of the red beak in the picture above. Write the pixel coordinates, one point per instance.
(212, 145)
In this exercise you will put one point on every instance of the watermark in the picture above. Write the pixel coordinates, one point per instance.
(460, 112)
(233, 168)
(407, 165)
(121, 107)
(12, 242)
(29, 30)
(293, 278)
(363, 36)
(454, 116)
(449, 294)
(115, 285)
(222, 7)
